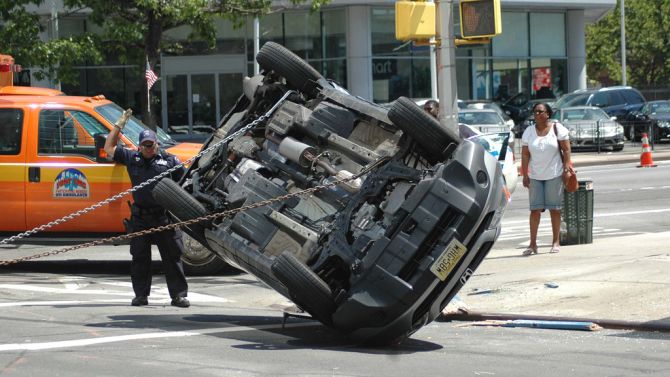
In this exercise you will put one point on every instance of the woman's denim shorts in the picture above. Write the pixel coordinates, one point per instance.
(546, 194)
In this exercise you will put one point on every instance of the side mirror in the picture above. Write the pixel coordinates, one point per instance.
(614, 118)
(100, 154)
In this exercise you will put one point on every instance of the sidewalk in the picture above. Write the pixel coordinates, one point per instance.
(619, 278)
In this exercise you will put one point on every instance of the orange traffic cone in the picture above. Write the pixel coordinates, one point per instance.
(646, 161)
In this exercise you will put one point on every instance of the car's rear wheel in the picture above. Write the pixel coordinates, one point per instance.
(432, 138)
(305, 287)
(296, 71)
(197, 259)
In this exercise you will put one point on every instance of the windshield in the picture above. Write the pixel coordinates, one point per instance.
(659, 107)
(573, 99)
(479, 118)
(111, 112)
(583, 114)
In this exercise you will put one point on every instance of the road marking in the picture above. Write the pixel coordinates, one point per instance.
(525, 221)
(133, 337)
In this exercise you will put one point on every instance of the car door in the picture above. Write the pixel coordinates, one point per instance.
(64, 176)
(13, 132)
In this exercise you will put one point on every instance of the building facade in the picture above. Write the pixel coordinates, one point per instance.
(541, 53)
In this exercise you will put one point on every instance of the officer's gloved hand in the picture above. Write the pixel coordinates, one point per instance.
(123, 119)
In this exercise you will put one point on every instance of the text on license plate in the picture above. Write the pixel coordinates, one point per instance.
(448, 259)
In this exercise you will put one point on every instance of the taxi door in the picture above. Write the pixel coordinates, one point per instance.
(13, 136)
(64, 176)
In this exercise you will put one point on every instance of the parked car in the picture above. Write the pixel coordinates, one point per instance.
(484, 121)
(480, 105)
(616, 101)
(590, 127)
(501, 146)
(53, 163)
(653, 118)
(376, 257)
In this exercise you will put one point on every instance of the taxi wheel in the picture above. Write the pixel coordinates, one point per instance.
(297, 72)
(305, 287)
(422, 128)
(197, 259)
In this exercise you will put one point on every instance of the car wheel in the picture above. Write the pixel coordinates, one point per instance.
(423, 128)
(305, 287)
(296, 71)
(196, 258)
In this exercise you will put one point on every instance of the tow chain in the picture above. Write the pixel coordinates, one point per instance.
(147, 182)
(223, 214)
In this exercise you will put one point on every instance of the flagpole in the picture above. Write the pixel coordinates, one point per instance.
(148, 89)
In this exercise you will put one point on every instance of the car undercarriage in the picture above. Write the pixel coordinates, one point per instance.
(397, 215)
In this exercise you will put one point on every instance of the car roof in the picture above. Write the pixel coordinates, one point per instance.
(53, 99)
(28, 91)
(580, 108)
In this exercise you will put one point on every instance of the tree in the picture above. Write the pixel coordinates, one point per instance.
(54, 59)
(134, 28)
(647, 45)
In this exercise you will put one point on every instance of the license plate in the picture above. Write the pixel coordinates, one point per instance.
(448, 259)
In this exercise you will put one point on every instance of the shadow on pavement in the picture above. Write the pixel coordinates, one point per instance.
(264, 333)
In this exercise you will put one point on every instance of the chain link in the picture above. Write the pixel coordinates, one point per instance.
(147, 182)
(223, 214)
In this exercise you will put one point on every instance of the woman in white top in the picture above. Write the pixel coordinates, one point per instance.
(543, 172)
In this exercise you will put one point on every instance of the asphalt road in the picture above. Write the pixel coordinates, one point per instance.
(72, 322)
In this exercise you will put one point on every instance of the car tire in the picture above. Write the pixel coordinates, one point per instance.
(422, 128)
(198, 260)
(297, 72)
(305, 287)
(185, 207)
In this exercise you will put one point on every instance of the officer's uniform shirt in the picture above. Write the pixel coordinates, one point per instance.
(141, 170)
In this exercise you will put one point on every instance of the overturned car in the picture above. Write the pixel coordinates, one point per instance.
(404, 212)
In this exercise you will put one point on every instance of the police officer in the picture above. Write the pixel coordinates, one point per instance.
(145, 163)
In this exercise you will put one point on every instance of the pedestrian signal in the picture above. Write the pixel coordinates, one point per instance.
(480, 18)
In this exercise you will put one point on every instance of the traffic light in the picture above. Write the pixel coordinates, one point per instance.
(480, 18)
(414, 20)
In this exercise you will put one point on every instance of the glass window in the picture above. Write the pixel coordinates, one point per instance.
(395, 77)
(112, 112)
(11, 127)
(615, 98)
(177, 97)
(68, 132)
(547, 34)
(514, 39)
(599, 99)
(632, 96)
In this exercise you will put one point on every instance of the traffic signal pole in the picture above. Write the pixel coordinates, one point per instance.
(446, 66)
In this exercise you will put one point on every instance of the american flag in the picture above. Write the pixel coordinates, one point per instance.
(150, 76)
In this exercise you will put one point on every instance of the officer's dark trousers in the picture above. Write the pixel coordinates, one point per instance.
(170, 246)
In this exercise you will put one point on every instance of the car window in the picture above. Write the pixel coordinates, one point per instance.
(11, 127)
(68, 132)
(632, 96)
(659, 108)
(112, 112)
(615, 98)
(599, 99)
(573, 99)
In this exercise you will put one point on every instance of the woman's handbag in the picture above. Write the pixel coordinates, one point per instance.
(569, 177)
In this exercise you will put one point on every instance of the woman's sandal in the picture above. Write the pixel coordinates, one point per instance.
(554, 249)
(529, 251)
